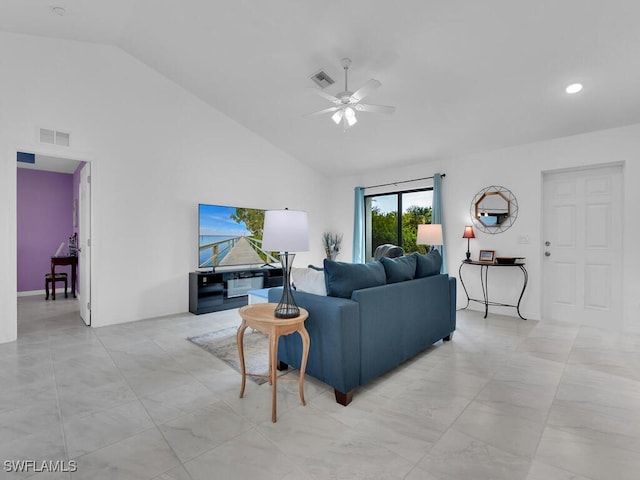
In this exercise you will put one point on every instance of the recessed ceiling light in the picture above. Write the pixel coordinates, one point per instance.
(574, 88)
(58, 10)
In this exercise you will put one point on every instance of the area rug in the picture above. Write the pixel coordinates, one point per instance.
(223, 345)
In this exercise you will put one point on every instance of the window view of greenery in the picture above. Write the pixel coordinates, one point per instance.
(387, 225)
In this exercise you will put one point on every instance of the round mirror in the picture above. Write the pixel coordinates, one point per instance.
(494, 209)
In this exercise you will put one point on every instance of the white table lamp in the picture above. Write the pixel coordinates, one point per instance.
(429, 234)
(286, 231)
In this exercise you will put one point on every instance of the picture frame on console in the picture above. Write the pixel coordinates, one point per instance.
(486, 256)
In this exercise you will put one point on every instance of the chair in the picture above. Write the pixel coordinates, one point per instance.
(60, 277)
(388, 250)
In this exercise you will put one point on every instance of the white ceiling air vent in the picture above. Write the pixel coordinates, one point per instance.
(53, 137)
(322, 79)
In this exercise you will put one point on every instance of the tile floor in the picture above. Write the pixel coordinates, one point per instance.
(506, 399)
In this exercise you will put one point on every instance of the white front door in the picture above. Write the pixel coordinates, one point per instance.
(84, 260)
(582, 235)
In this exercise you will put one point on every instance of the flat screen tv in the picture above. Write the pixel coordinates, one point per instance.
(231, 236)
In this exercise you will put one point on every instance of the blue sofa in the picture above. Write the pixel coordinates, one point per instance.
(358, 334)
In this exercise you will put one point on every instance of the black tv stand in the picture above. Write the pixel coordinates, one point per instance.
(225, 289)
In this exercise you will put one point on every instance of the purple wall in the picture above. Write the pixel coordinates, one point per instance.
(45, 210)
(76, 194)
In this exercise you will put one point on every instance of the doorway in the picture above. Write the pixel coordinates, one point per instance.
(54, 176)
(582, 235)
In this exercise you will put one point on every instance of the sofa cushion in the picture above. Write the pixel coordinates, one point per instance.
(343, 278)
(399, 269)
(308, 280)
(428, 264)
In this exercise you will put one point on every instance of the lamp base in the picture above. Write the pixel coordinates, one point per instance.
(468, 259)
(287, 307)
(287, 311)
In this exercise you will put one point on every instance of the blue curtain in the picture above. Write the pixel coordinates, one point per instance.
(358, 226)
(438, 217)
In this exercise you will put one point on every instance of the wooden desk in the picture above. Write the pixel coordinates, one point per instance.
(484, 270)
(260, 317)
(67, 260)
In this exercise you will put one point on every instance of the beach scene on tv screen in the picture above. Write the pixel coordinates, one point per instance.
(231, 236)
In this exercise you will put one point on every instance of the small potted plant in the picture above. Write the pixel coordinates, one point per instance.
(331, 242)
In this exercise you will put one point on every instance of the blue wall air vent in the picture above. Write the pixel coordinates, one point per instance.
(26, 157)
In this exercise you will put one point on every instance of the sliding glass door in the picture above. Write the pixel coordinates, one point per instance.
(394, 218)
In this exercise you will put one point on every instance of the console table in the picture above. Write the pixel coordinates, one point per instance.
(484, 271)
(67, 260)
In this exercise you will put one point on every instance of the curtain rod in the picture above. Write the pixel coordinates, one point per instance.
(403, 181)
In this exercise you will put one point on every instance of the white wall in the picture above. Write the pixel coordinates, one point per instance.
(520, 170)
(156, 152)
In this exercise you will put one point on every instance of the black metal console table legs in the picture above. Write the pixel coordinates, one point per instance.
(484, 275)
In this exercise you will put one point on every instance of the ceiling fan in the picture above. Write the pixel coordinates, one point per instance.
(346, 103)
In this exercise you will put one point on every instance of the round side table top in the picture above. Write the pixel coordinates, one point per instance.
(263, 313)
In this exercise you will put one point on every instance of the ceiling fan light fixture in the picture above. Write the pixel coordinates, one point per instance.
(337, 117)
(350, 115)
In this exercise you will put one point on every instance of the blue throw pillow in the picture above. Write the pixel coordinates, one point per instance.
(429, 264)
(399, 269)
(343, 278)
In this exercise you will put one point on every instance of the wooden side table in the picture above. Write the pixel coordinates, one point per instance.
(260, 317)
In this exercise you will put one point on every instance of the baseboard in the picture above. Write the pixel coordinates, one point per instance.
(33, 293)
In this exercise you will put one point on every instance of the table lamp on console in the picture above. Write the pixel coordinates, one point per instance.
(286, 231)
(468, 234)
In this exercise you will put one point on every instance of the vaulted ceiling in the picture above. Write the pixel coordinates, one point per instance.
(465, 76)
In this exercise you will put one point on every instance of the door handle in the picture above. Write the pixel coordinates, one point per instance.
(547, 254)
(547, 243)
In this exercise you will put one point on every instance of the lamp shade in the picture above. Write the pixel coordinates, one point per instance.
(429, 234)
(468, 232)
(285, 231)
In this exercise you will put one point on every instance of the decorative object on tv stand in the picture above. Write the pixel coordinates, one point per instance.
(429, 234)
(468, 234)
(331, 243)
(494, 209)
(286, 231)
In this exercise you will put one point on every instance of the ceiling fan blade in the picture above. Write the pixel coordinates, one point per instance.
(364, 107)
(320, 112)
(328, 96)
(365, 90)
